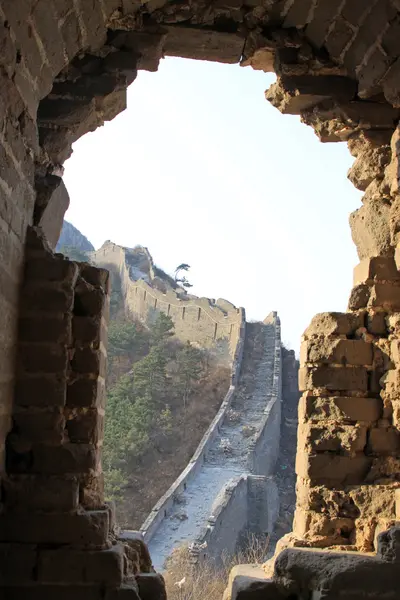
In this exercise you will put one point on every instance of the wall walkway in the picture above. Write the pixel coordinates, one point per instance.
(229, 479)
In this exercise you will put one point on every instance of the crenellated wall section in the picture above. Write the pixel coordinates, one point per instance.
(210, 324)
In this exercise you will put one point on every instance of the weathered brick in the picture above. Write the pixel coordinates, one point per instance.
(125, 592)
(332, 469)
(46, 298)
(41, 358)
(340, 408)
(43, 390)
(381, 268)
(87, 360)
(332, 437)
(333, 350)
(91, 491)
(86, 330)
(36, 492)
(371, 74)
(334, 323)
(89, 301)
(95, 276)
(151, 585)
(85, 392)
(299, 13)
(86, 529)
(51, 269)
(324, 14)
(354, 10)
(45, 22)
(38, 329)
(384, 441)
(333, 378)
(339, 37)
(68, 458)
(74, 566)
(376, 323)
(40, 424)
(44, 591)
(385, 295)
(17, 563)
(86, 425)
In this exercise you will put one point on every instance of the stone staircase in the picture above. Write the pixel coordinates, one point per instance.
(229, 460)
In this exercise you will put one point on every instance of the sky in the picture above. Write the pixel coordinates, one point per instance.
(201, 169)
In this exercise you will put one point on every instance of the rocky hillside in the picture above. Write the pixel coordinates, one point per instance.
(71, 237)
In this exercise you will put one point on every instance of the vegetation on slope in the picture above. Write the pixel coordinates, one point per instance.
(162, 395)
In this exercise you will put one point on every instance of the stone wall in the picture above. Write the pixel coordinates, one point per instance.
(214, 325)
(55, 528)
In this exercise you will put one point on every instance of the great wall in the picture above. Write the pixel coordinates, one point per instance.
(228, 485)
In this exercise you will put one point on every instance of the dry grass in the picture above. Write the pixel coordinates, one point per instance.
(205, 581)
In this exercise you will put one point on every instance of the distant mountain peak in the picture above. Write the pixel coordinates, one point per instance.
(71, 237)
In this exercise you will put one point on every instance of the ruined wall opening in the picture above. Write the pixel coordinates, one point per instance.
(338, 67)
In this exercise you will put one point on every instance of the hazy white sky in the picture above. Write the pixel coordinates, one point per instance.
(201, 169)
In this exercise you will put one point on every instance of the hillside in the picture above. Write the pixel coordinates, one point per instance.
(72, 238)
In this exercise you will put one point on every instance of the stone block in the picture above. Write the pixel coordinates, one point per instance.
(77, 566)
(359, 297)
(40, 424)
(251, 587)
(17, 563)
(331, 469)
(376, 323)
(374, 501)
(96, 276)
(39, 493)
(87, 529)
(124, 592)
(334, 323)
(151, 586)
(332, 350)
(137, 553)
(382, 469)
(370, 230)
(381, 268)
(85, 426)
(88, 360)
(397, 503)
(333, 378)
(202, 44)
(385, 295)
(86, 392)
(42, 591)
(91, 491)
(340, 408)
(321, 529)
(86, 331)
(42, 358)
(46, 299)
(332, 437)
(51, 269)
(384, 441)
(40, 390)
(68, 458)
(42, 329)
(89, 300)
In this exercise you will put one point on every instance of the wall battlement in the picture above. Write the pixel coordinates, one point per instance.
(203, 321)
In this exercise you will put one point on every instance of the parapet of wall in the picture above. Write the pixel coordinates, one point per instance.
(247, 505)
(266, 444)
(164, 505)
(200, 320)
